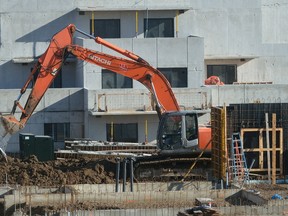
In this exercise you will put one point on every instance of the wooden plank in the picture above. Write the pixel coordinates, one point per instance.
(268, 146)
(274, 148)
(261, 153)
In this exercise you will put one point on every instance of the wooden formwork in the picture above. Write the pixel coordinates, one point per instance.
(219, 143)
(224, 123)
(255, 147)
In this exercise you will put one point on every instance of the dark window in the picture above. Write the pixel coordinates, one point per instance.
(112, 80)
(57, 82)
(176, 76)
(122, 132)
(158, 28)
(106, 28)
(191, 127)
(226, 73)
(59, 131)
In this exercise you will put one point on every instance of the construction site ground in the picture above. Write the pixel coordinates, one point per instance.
(61, 172)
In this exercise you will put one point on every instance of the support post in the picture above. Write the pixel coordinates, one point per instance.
(268, 148)
(131, 173)
(274, 148)
(117, 174)
(124, 174)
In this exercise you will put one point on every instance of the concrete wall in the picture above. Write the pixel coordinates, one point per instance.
(57, 106)
(231, 30)
(249, 34)
(159, 52)
(145, 201)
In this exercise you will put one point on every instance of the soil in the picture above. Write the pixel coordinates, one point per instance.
(88, 171)
(57, 172)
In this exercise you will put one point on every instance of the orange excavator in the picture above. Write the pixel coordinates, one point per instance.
(178, 131)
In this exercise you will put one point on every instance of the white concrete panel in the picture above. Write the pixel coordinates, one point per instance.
(195, 56)
(244, 26)
(76, 99)
(146, 48)
(235, 94)
(172, 52)
(274, 21)
(7, 102)
(63, 100)
(55, 100)
(132, 5)
(213, 26)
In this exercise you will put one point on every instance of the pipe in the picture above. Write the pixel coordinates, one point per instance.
(136, 23)
(177, 15)
(131, 173)
(92, 24)
(124, 174)
(117, 174)
(146, 131)
(112, 132)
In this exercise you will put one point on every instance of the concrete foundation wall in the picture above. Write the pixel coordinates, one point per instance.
(151, 197)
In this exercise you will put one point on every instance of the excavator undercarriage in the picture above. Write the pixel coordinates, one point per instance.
(149, 164)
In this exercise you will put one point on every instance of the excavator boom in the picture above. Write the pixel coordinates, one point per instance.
(141, 71)
(51, 62)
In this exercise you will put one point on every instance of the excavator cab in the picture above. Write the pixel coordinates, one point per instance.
(178, 131)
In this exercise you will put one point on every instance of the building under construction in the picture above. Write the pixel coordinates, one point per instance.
(189, 41)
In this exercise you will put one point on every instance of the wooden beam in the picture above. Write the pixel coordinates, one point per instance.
(274, 148)
(268, 147)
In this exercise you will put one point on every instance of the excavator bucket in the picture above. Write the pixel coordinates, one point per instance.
(8, 126)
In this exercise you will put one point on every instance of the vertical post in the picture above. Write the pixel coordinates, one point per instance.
(124, 174)
(268, 148)
(146, 131)
(117, 174)
(274, 148)
(92, 24)
(131, 173)
(112, 132)
(136, 23)
(177, 30)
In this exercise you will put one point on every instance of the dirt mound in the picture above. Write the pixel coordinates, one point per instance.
(57, 172)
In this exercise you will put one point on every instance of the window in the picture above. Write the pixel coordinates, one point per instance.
(158, 28)
(112, 80)
(176, 76)
(106, 28)
(191, 127)
(122, 132)
(59, 131)
(226, 73)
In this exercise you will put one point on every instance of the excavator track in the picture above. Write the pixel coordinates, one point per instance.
(149, 163)
(172, 167)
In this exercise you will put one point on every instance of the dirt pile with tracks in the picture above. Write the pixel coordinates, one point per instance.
(57, 172)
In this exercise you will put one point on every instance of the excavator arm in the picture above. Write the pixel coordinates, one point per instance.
(141, 71)
(51, 62)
